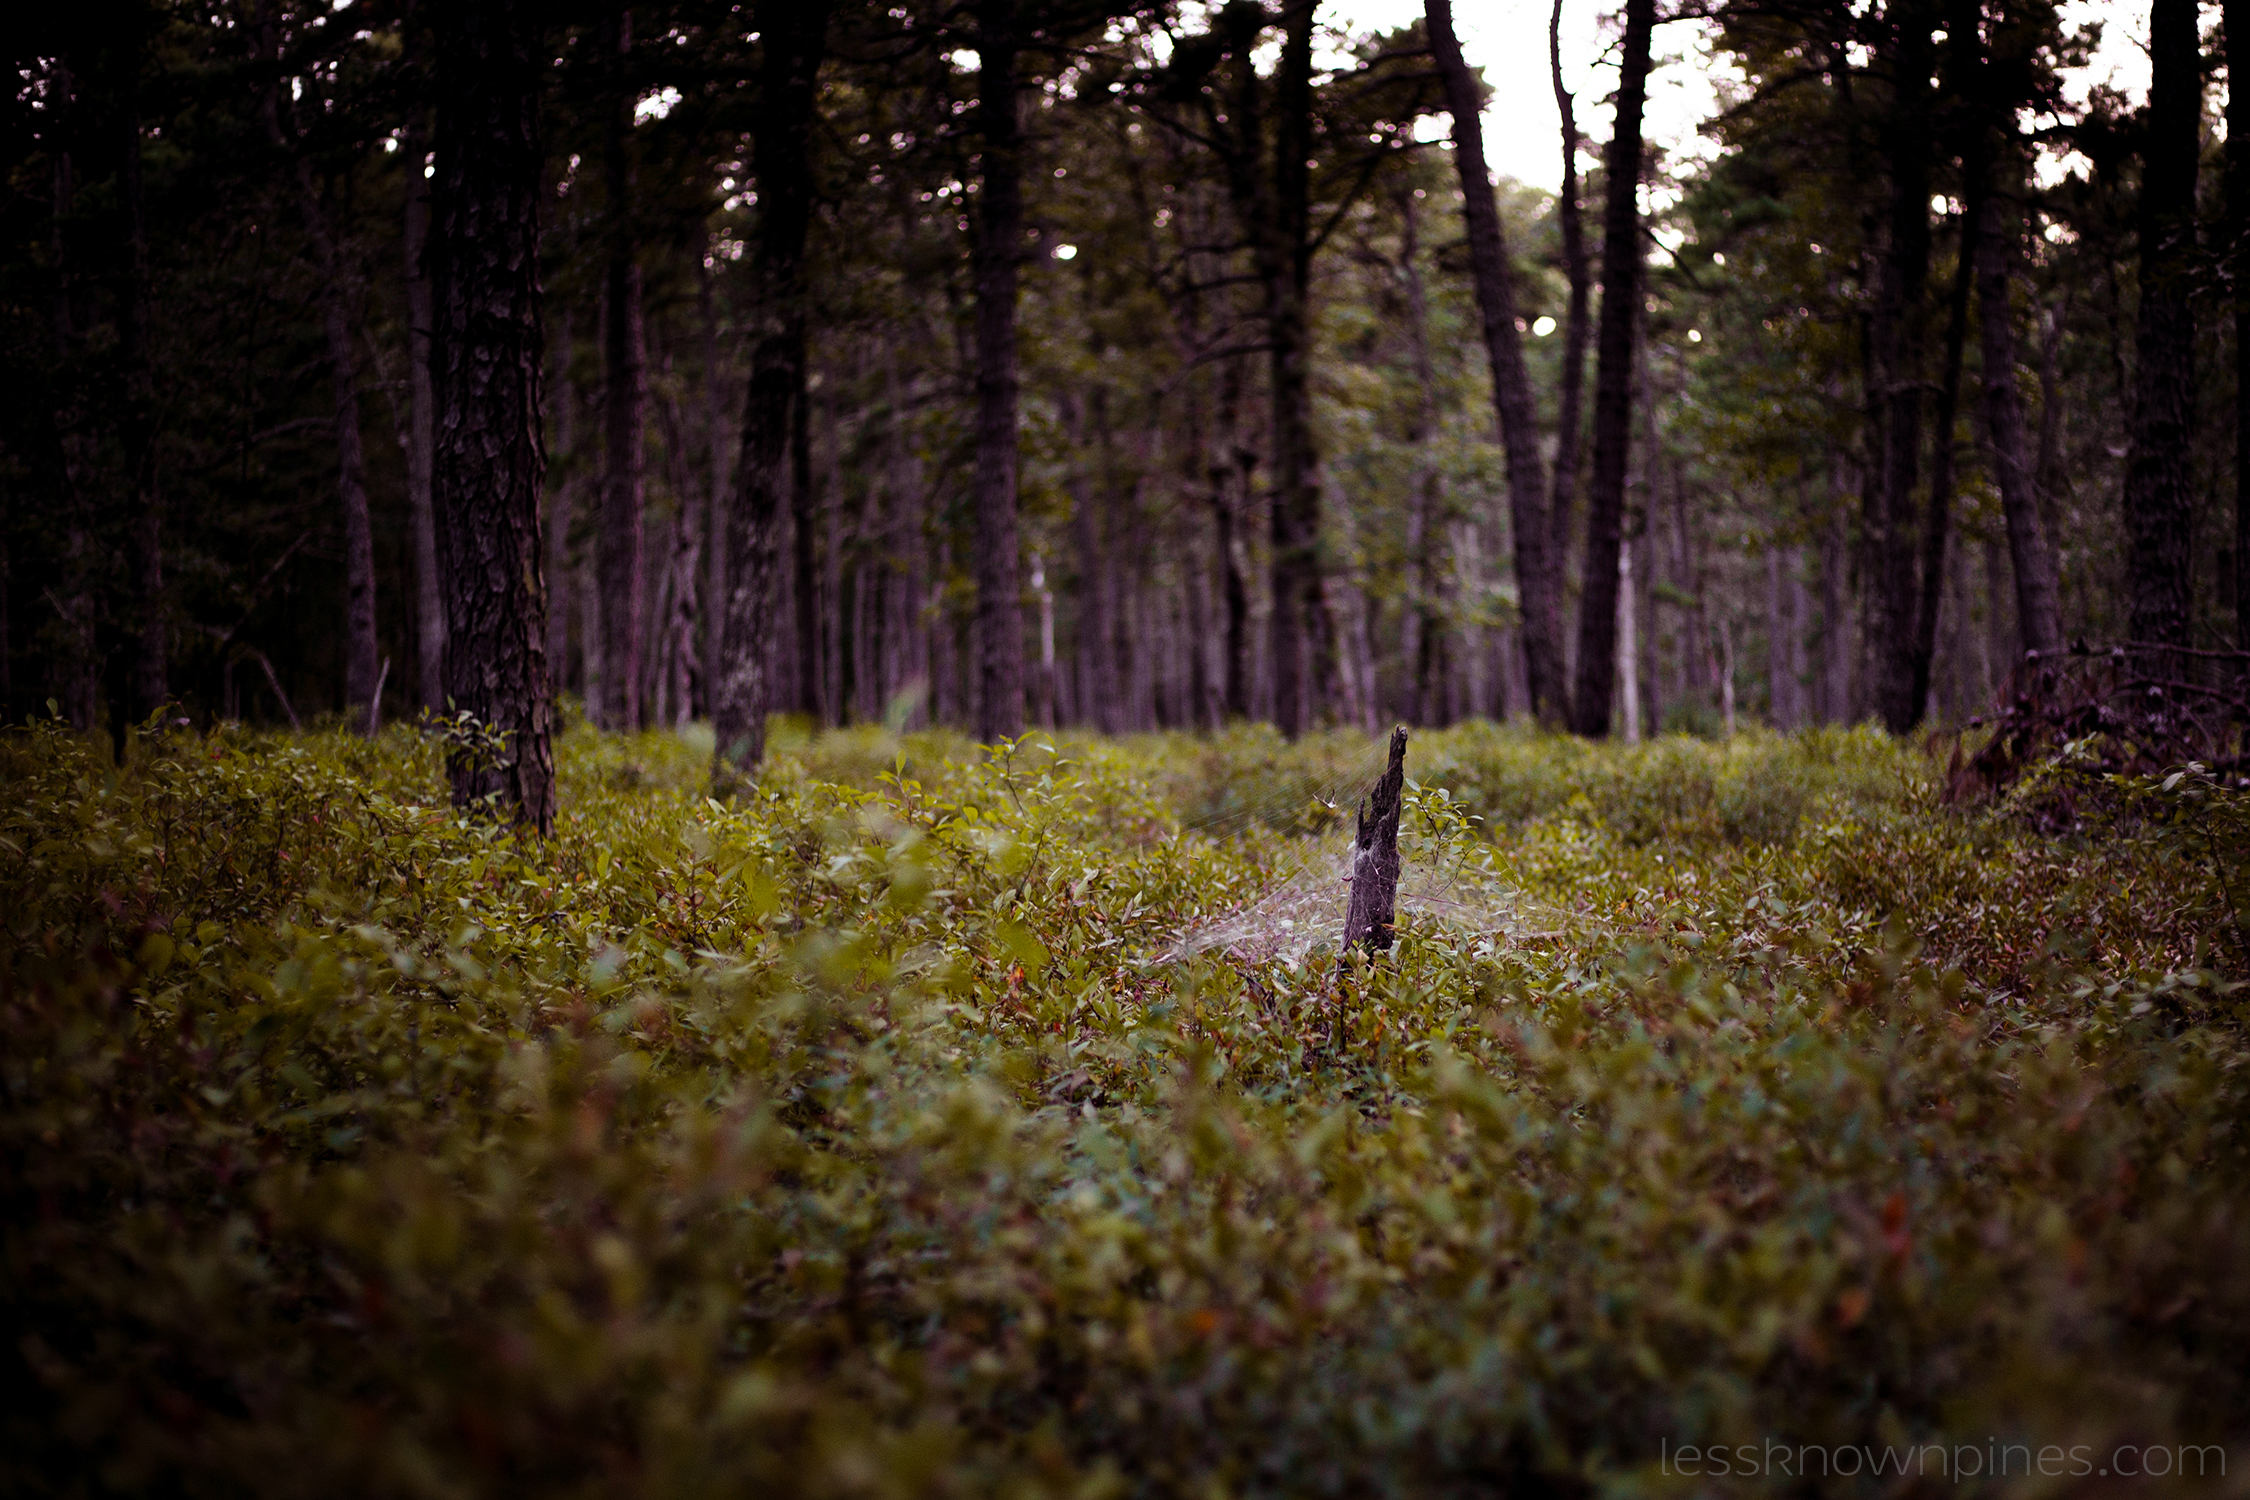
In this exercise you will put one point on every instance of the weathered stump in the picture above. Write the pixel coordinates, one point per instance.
(1373, 910)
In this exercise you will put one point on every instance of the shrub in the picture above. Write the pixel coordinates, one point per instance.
(848, 1139)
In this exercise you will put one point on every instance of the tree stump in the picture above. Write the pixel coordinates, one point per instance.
(1373, 910)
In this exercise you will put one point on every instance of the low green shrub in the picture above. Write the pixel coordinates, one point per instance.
(851, 1139)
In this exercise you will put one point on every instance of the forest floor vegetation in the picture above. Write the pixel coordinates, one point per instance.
(878, 1134)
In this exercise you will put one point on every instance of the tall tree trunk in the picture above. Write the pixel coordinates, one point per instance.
(1895, 348)
(336, 284)
(1613, 382)
(2238, 249)
(619, 559)
(1578, 323)
(772, 465)
(150, 669)
(999, 249)
(2037, 613)
(1284, 255)
(715, 497)
(561, 504)
(2159, 499)
(429, 598)
(1938, 520)
(1538, 574)
(489, 460)
(1230, 487)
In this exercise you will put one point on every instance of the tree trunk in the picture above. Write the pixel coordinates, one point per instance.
(429, 599)
(489, 461)
(619, 559)
(771, 468)
(1371, 916)
(2037, 614)
(561, 503)
(1938, 520)
(150, 667)
(1895, 360)
(2238, 250)
(1578, 322)
(2159, 498)
(715, 498)
(999, 249)
(1284, 255)
(1538, 575)
(336, 282)
(1613, 382)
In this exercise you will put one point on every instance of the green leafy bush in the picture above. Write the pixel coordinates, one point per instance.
(850, 1139)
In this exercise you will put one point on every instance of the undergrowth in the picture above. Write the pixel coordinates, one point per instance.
(852, 1139)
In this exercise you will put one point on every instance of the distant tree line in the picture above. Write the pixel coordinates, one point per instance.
(1020, 362)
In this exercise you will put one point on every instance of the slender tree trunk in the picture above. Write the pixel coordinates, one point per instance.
(361, 661)
(1578, 323)
(772, 466)
(2238, 250)
(715, 499)
(2159, 498)
(1538, 575)
(1613, 382)
(999, 248)
(620, 559)
(150, 664)
(1895, 345)
(1231, 486)
(561, 505)
(2037, 614)
(1937, 522)
(1284, 252)
(489, 460)
(429, 598)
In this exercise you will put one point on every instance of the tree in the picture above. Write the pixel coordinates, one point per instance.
(1538, 570)
(999, 249)
(2237, 26)
(772, 470)
(619, 564)
(2159, 514)
(337, 281)
(1613, 382)
(489, 460)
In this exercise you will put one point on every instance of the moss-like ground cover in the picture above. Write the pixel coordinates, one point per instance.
(851, 1140)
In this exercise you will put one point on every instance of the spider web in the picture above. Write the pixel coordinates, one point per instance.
(1300, 908)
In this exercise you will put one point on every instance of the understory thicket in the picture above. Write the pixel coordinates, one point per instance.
(857, 1139)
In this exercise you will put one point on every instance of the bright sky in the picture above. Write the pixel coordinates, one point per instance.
(1522, 132)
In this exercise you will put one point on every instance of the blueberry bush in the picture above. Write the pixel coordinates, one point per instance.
(858, 1138)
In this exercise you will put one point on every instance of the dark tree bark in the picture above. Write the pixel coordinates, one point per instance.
(1371, 916)
(2159, 510)
(1578, 323)
(1284, 255)
(429, 598)
(620, 562)
(1938, 520)
(75, 665)
(772, 467)
(489, 459)
(150, 664)
(2238, 249)
(1895, 348)
(1613, 383)
(999, 251)
(1538, 579)
(337, 282)
(2038, 617)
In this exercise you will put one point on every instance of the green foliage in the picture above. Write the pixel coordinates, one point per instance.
(848, 1140)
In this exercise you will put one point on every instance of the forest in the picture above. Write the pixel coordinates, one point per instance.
(1023, 747)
